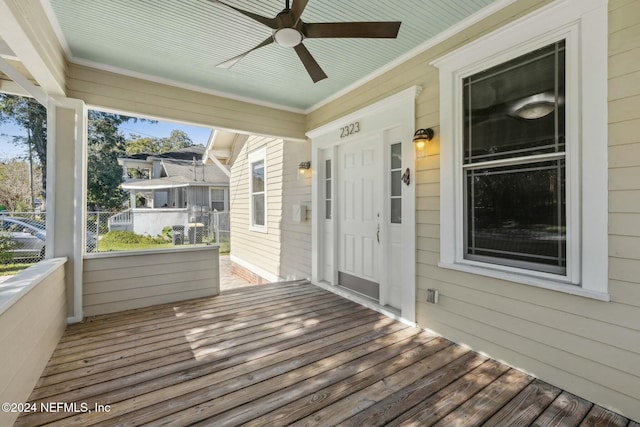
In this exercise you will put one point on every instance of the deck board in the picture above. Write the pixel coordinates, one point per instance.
(287, 354)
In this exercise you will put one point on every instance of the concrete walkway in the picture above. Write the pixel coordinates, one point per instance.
(228, 280)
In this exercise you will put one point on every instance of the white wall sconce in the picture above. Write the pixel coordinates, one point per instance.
(304, 169)
(420, 139)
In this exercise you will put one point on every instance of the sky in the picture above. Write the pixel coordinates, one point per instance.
(198, 135)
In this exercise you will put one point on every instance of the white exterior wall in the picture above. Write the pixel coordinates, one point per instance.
(295, 261)
(126, 280)
(588, 347)
(256, 250)
(32, 319)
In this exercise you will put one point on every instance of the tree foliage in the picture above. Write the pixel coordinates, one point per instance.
(105, 144)
(31, 116)
(15, 191)
(151, 145)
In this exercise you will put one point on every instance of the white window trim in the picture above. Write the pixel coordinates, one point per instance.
(583, 23)
(253, 157)
(225, 199)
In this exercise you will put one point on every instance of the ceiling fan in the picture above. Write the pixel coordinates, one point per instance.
(289, 31)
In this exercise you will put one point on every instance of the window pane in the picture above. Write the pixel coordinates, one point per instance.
(396, 211)
(327, 209)
(328, 189)
(217, 194)
(396, 156)
(516, 108)
(258, 209)
(327, 166)
(396, 184)
(516, 216)
(257, 175)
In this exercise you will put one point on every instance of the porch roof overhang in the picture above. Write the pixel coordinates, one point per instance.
(168, 183)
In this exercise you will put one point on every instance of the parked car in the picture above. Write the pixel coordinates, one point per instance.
(29, 236)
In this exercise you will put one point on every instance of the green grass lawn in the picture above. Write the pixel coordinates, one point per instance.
(113, 247)
(13, 269)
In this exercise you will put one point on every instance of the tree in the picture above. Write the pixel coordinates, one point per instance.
(176, 140)
(138, 144)
(31, 116)
(151, 145)
(15, 191)
(105, 144)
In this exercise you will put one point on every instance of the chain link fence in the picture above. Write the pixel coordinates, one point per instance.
(156, 228)
(22, 237)
(23, 234)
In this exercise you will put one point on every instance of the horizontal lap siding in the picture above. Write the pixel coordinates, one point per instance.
(589, 347)
(128, 281)
(30, 331)
(259, 249)
(295, 261)
(115, 91)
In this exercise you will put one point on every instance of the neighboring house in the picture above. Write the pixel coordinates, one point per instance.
(540, 270)
(270, 201)
(174, 188)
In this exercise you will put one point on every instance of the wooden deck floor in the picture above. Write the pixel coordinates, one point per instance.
(286, 354)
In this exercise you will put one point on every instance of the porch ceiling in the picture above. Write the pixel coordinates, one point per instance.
(184, 41)
(286, 354)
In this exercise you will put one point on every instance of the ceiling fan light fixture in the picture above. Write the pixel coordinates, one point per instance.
(287, 37)
(535, 110)
(535, 106)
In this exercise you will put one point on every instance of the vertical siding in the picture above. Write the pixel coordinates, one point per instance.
(29, 331)
(128, 280)
(295, 261)
(589, 347)
(259, 249)
(129, 94)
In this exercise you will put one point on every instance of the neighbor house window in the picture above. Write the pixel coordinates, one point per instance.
(258, 190)
(523, 150)
(218, 202)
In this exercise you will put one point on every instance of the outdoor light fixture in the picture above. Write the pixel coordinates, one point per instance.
(303, 167)
(420, 139)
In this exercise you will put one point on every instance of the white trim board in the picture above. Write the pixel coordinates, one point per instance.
(394, 115)
(583, 24)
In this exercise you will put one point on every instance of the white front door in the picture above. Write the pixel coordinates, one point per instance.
(359, 218)
(364, 215)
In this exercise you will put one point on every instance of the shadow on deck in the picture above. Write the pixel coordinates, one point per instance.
(285, 354)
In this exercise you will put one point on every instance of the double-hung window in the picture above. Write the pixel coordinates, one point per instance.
(514, 162)
(523, 149)
(258, 190)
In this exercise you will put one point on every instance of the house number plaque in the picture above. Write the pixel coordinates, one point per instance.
(350, 129)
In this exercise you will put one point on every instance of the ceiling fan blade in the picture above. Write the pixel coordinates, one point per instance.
(233, 61)
(313, 68)
(269, 22)
(297, 9)
(384, 30)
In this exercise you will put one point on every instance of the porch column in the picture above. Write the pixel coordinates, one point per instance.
(66, 195)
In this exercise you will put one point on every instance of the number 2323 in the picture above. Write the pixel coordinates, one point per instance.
(349, 129)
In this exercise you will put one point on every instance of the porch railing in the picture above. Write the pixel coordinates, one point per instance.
(122, 218)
